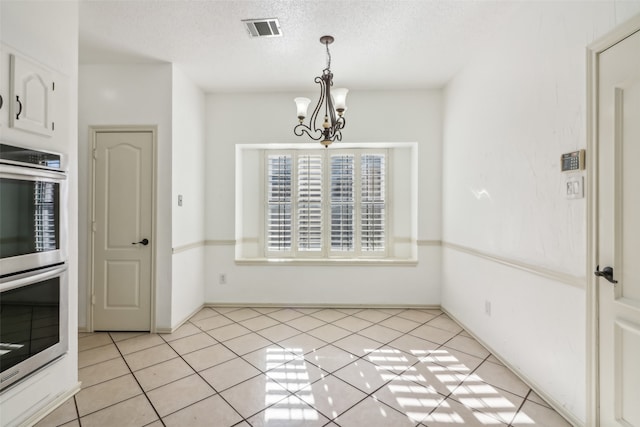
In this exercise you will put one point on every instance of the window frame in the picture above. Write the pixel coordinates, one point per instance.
(326, 252)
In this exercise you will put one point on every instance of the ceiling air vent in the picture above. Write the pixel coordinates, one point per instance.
(263, 27)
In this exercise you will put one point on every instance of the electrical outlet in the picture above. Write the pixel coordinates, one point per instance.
(223, 279)
(487, 308)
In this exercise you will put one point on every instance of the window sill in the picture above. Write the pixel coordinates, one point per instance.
(327, 262)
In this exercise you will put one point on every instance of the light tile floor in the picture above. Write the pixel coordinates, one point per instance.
(299, 367)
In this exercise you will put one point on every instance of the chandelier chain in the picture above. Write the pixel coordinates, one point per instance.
(328, 55)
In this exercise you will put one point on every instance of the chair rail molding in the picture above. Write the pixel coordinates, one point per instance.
(547, 273)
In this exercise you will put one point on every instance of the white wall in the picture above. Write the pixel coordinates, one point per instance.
(188, 180)
(129, 95)
(508, 116)
(400, 116)
(46, 32)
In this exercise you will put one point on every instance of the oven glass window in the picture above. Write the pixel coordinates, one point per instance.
(29, 321)
(29, 217)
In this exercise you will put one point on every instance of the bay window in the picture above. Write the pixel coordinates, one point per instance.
(352, 204)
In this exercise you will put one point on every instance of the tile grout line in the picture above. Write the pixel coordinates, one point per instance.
(121, 357)
(405, 370)
(218, 393)
(261, 372)
(75, 404)
(449, 396)
(515, 414)
(370, 395)
(363, 357)
(327, 343)
(138, 382)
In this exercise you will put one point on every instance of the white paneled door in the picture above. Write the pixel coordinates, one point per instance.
(122, 246)
(618, 233)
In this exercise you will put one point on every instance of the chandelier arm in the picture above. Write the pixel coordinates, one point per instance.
(332, 115)
(339, 126)
(335, 128)
(329, 105)
(314, 116)
(301, 129)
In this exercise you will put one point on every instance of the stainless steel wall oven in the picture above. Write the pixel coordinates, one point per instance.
(34, 295)
(34, 313)
(32, 209)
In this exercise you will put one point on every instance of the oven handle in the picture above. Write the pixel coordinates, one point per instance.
(22, 279)
(34, 174)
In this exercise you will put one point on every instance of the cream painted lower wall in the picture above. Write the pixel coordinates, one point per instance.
(187, 283)
(341, 285)
(536, 324)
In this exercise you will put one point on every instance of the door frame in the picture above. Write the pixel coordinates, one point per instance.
(93, 132)
(594, 50)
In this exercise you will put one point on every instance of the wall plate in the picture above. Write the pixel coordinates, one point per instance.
(574, 187)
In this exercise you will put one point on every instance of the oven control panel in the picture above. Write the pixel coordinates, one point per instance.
(30, 157)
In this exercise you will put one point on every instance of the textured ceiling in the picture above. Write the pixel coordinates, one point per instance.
(379, 44)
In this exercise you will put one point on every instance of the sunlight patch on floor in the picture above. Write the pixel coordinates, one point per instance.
(293, 375)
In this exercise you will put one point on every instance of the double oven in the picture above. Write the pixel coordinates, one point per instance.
(34, 295)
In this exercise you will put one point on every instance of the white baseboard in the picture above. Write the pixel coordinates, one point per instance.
(53, 405)
(182, 322)
(312, 305)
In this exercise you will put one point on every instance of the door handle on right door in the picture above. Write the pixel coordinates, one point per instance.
(606, 272)
(143, 242)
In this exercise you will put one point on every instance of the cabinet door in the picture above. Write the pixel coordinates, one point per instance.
(32, 89)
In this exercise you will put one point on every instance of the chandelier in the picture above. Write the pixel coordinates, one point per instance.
(332, 101)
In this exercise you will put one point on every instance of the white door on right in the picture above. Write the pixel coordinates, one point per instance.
(619, 232)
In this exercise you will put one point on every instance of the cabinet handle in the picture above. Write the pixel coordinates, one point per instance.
(20, 105)
(1, 101)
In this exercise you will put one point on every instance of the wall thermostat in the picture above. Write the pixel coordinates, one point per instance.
(573, 161)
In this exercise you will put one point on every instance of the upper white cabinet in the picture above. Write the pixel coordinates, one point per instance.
(30, 100)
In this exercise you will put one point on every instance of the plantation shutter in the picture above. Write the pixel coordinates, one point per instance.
(372, 204)
(309, 205)
(279, 202)
(342, 202)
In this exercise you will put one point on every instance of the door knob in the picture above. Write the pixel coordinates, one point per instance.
(143, 242)
(606, 272)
